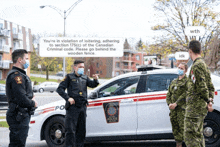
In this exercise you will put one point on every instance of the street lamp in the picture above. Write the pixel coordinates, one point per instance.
(64, 15)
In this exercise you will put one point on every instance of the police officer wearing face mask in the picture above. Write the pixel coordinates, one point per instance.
(20, 98)
(75, 121)
(176, 100)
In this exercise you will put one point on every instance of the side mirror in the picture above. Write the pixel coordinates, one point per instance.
(93, 95)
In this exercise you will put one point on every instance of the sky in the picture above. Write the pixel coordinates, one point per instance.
(102, 18)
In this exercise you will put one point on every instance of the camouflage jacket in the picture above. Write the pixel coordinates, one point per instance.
(200, 89)
(177, 92)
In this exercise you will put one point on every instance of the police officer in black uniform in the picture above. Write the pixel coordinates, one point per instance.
(20, 98)
(76, 100)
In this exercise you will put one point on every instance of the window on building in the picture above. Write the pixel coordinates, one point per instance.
(97, 72)
(14, 31)
(100, 72)
(118, 65)
(1, 25)
(117, 73)
(0, 75)
(97, 65)
(137, 65)
(137, 57)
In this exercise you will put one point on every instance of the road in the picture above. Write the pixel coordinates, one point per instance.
(101, 81)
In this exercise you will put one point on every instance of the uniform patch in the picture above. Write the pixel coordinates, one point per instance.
(193, 78)
(18, 79)
(74, 80)
(16, 72)
(111, 110)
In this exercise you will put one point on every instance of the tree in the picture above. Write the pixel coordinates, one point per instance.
(69, 66)
(214, 56)
(139, 45)
(47, 63)
(176, 15)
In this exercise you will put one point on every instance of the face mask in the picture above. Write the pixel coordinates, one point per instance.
(180, 72)
(26, 65)
(80, 71)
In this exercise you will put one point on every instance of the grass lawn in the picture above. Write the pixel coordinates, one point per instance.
(2, 117)
(41, 80)
(4, 124)
(2, 81)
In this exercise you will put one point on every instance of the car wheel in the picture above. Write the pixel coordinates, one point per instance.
(212, 130)
(51, 91)
(55, 132)
(41, 90)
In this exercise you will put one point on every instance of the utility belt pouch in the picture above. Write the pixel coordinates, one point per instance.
(21, 113)
(19, 116)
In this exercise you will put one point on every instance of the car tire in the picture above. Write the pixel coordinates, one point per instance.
(41, 90)
(211, 130)
(55, 132)
(51, 91)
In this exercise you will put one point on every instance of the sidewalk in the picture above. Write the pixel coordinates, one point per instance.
(3, 113)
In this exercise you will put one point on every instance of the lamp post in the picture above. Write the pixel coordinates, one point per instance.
(64, 15)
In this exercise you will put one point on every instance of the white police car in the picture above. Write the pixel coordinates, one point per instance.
(128, 107)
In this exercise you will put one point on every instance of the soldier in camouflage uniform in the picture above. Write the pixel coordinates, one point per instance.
(176, 100)
(200, 92)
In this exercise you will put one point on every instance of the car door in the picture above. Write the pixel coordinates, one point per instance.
(152, 109)
(114, 112)
(47, 86)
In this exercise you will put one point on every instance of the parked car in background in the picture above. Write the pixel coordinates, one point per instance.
(3, 98)
(46, 86)
(60, 73)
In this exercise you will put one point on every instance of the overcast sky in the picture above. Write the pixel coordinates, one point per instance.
(103, 18)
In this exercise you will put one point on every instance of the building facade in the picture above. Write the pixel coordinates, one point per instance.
(12, 37)
(113, 66)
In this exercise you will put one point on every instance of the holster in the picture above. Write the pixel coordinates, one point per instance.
(21, 113)
(80, 102)
(67, 105)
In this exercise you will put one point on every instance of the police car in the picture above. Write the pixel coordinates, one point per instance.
(128, 107)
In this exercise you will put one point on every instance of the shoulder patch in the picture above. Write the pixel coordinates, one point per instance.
(18, 79)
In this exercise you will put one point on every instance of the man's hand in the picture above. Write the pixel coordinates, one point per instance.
(95, 76)
(71, 100)
(172, 106)
(34, 101)
(210, 109)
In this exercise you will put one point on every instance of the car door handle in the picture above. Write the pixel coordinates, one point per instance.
(127, 100)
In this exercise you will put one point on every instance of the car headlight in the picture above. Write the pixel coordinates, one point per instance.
(38, 112)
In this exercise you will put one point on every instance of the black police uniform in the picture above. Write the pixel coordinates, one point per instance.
(19, 93)
(75, 120)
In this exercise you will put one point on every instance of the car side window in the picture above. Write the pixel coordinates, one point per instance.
(120, 87)
(159, 82)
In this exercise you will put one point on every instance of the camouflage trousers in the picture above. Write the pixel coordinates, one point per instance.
(193, 132)
(177, 122)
